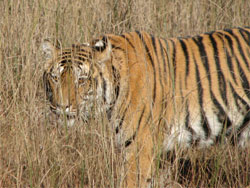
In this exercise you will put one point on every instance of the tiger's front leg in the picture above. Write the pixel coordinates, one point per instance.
(139, 160)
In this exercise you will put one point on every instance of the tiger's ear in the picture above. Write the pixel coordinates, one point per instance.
(102, 49)
(49, 50)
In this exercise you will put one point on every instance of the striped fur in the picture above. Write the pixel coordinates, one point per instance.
(179, 91)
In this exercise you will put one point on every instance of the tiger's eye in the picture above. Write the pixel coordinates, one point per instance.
(82, 80)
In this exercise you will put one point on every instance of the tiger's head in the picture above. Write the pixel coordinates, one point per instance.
(77, 78)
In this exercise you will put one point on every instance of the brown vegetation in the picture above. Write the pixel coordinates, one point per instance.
(36, 151)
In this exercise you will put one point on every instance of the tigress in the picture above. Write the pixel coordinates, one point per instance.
(177, 91)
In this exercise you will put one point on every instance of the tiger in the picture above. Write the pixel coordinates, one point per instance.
(180, 92)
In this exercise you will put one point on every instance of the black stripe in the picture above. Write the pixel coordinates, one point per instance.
(116, 81)
(118, 48)
(48, 89)
(116, 77)
(244, 80)
(174, 60)
(151, 61)
(223, 119)
(83, 57)
(67, 56)
(237, 97)
(221, 114)
(230, 65)
(65, 53)
(184, 49)
(166, 51)
(226, 123)
(104, 87)
(198, 41)
(187, 124)
(244, 125)
(78, 61)
(129, 141)
(229, 58)
(247, 39)
(117, 129)
(82, 50)
(181, 90)
(158, 63)
(164, 62)
(171, 65)
(244, 32)
(221, 78)
(64, 61)
(246, 120)
(126, 108)
(153, 43)
(126, 38)
(205, 125)
(239, 47)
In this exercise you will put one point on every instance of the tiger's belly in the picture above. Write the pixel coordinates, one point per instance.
(204, 130)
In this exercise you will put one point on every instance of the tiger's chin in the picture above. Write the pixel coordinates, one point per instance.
(66, 119)
(70, 118)
(70, 122)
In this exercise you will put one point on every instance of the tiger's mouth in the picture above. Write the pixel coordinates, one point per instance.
(83, 113)
(70, 114)
(64, 117)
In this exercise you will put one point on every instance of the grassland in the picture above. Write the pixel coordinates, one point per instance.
(35, 151)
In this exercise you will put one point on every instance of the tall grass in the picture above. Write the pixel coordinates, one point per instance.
(36, 151)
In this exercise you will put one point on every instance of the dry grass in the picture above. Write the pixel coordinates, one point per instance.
(37, 153)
